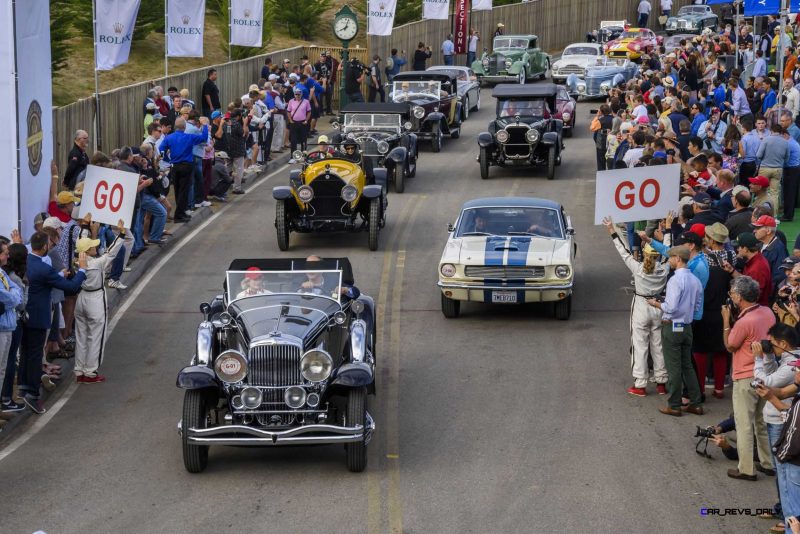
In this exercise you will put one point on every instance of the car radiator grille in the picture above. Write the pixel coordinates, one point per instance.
(275, 365)
(593, 86)
(503, 273)
(327, 201)
(517, 146)
(571, 69)
(618, 54)
(368, 146)
(497, 62)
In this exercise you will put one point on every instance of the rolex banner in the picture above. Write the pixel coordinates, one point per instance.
(185, 27)
(381, 17)
(247, 19)
(460, 32)
(482, 5)
(113, 32)
(436, 9)
(9, 181)
(34, 109)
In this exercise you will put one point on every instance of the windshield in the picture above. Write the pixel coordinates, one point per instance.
(510, 42)
(581, 51)
(631, 35)
(365, 121)
(254, 283)
(415, 90)
(523, 108)
(508, 221)
(460, 75)
(691, 10)
(605, 61)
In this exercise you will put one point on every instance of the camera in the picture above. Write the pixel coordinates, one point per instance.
(706, 432)
(756, 382)
(357, 66)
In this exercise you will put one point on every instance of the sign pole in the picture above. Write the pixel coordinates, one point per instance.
(779, 63)
(97, 140)
(166, 45)
(736, 36)
(16, 114)
(230, 30)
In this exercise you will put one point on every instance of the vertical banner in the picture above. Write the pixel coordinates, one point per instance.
(114, 31)
(437, 9)
(461, 29)
(753, 8)
(381, 17)
(185, 31)
(34, 108)
(482, 5)
(247, 20)
(9, 178)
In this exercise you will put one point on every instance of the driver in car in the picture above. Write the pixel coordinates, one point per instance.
(511, 108)
(351, 151)
(404, 93)
(253, 284)
(324, 150)
(317, 285)
(480, 224)
(540, 225)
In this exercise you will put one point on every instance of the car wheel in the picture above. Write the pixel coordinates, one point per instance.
(399, 179)
(567, 132)
(547, 73)
(551, 163)
(195, 415)
(282, 225)
(465, 108)
(484, 161)
(478, 104)
(450, 308)
(374, 222)
(522, 77)
(436, 141)
(563, 308)
(455, 131)
(357, 415)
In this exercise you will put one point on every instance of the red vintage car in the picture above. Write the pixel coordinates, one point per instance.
(565, 110)
(632, 44)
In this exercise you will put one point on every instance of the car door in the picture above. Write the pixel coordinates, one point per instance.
(533, 66)
(573, 245)
(474, 88)
(449, 103)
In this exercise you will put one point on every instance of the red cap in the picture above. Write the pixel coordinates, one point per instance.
(227, 115)
(765, 220)
(643, 120)
(699, 229)
(253, 274)
(762, 181)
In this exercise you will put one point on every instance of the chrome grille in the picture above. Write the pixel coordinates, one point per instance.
(593, 86)
(368, 146)
(517, 146)
(497, 63)
(503, 272)
(275, 365)
(618, 54)
(571, 69)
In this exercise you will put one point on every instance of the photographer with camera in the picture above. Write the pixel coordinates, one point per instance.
(354, 75)
(785, 306)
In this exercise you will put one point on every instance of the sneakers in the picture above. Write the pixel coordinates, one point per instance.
(661, 389)
(188, 212)
(36, 405)
(11, 406)
(116, 284)
(205, 203)
(639, 392)
(96, 379)
(126, 269)
(198, 205)
(238, 191)
(47, 383)
(219, 199)
(292, 161)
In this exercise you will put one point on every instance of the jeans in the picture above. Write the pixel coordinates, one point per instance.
(643, 20)
(355, 97)
(297, 135)
(197, 182)
(158, 218)
(791, 175)
(470, 58)
(30, 365)
(374, 92)
(11, 365)
(773, 433)
(630, 233)
(448, 60)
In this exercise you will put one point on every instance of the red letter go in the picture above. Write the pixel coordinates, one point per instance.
(114, 199)
(628, 199)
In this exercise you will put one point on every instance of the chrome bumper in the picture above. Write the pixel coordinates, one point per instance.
(499, 78)
(540, 287)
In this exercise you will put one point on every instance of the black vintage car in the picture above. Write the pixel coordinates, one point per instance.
(284, 356)
(525, 131)
(383, 132)
(608, 31)
(435, 105)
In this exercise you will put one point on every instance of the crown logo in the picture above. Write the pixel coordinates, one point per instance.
(382, 6)
(247, 13)
(185, 19)
(118, 27)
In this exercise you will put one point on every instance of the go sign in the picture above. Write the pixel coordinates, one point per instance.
(637, 194)
(109, 195)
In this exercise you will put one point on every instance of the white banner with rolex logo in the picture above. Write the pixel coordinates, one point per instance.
(482, 5)
(114, 31)
(185, 20)
(436, 9)
(381, 16)
(247, 19)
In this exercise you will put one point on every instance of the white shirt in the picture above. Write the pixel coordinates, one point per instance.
(644, 7)
(640, 111)
(793, 101)
(473, 43)
(632, 156)
(666, 5)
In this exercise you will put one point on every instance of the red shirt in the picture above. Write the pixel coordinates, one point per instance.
(752, 325)
(758, 269)
(55, 211)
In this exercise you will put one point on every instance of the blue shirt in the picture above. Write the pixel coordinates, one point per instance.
(769, 101)
(198, 150)
(773, 152)
(448, 48)
(719, 96)
(760, 68)
(794, 131)
(697, 121)
(10, 298)
(397, 63)
(739, 102)
(684, 297)
(794, 153)
(718, 132)
(180, 145)
(698, 266)
(750, 143)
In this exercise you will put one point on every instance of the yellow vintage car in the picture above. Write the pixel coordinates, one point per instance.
(333, 192)
(632, 44)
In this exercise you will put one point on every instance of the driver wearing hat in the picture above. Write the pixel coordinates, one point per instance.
(253, 284)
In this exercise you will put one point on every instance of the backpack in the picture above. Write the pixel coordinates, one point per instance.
(601, 140)
(389, 64)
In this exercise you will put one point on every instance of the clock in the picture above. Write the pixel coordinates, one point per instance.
(345, 24)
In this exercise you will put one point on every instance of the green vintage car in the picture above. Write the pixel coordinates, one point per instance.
(514, 58)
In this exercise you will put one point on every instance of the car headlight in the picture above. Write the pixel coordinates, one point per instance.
(508, 63)
(251, 398)
(448, 270)
(582, 88)
(383, 147)
(349, 193)
(419, 112)
(532, 135)
(305, 193)
(297, 155)
(501, 136)
(565, 116)
(231, 367)
(316, 365)
(605, 87)
(407, 125)
(485, 62)
(636, 47)
(295, 397)
(562, 271)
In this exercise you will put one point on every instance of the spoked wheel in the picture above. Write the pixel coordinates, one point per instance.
(195, 415)
(357, 415)
(450, 308)
(282, 225)
(484, 161)
(478, 105)
(436, 142)
(374, 222)
(547, 72)
(465, 108)
(551, 163)
(522, 78)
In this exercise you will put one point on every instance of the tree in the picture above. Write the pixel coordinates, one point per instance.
(407, 11)
(219, 10)
(302, 17)
(61, 15)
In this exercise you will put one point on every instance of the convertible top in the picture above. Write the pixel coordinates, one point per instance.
(509, 90)
(511, 202)
(296, 264)
(415, 75)
(378, 107)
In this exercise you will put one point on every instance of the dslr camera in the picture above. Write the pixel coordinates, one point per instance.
(706, 432)
(357, 66)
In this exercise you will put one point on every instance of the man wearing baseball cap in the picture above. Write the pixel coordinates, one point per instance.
(703, 214)
(773, 249)
(748, 248)
(759, 188)
(61, 205)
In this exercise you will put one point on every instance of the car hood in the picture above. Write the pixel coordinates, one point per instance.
(581, 61)
(602, 72)
(528, 121)
(502, 250)
(621, 43)
(512, 53)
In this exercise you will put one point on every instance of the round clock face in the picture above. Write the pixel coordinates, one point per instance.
(345, 28)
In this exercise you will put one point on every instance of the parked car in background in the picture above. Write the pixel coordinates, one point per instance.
(674, 41)
(469, 89)
(692, 19)
(607, 31)
(566, 110)
(632, 44)
(601, 77)
(574, 60)
(513, 58)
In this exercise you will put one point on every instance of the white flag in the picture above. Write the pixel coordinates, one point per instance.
(482, 5)
(114, 31)
(436, 9)
(247, 19)
(185, 20)
(381, 16)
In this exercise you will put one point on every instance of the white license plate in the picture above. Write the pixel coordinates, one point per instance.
(504, 297)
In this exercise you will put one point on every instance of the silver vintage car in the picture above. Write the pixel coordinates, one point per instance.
(600, 77)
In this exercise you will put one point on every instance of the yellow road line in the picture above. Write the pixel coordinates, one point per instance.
(514, 188)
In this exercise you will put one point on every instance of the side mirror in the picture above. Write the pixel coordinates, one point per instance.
(450, 227)
(570, 229)
(205, 309)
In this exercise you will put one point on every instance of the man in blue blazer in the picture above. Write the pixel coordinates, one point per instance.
(42, 278)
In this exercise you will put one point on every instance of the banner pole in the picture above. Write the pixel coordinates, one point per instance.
(97, 140)
(736, 37)
(230, 30)
(779, 63)
(166, 44)
(16, 114)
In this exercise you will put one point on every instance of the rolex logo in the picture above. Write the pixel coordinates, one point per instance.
(185, 19)
(247, 13)
(382, 6)
(118, 28)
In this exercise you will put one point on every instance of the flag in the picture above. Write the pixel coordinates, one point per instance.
(381, 16)
(461, 24)
(482, 5)
(247, 21)
(185, 20)
(761, 7)
(438, 9)
(114, 31)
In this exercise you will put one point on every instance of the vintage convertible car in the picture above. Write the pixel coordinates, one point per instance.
(524, 131)
(469, 89)
(509, 250)
(566, 108)
(513, 58)
(332, 192)
(285, 356)
(608, 31)
(435, 107)
(574, 60)
(632, 44)
(384, 137)
(601, 77)
(692, 19)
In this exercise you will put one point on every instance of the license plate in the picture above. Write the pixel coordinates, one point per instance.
(504, 297)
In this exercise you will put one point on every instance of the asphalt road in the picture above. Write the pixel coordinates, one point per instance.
(503, 420)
